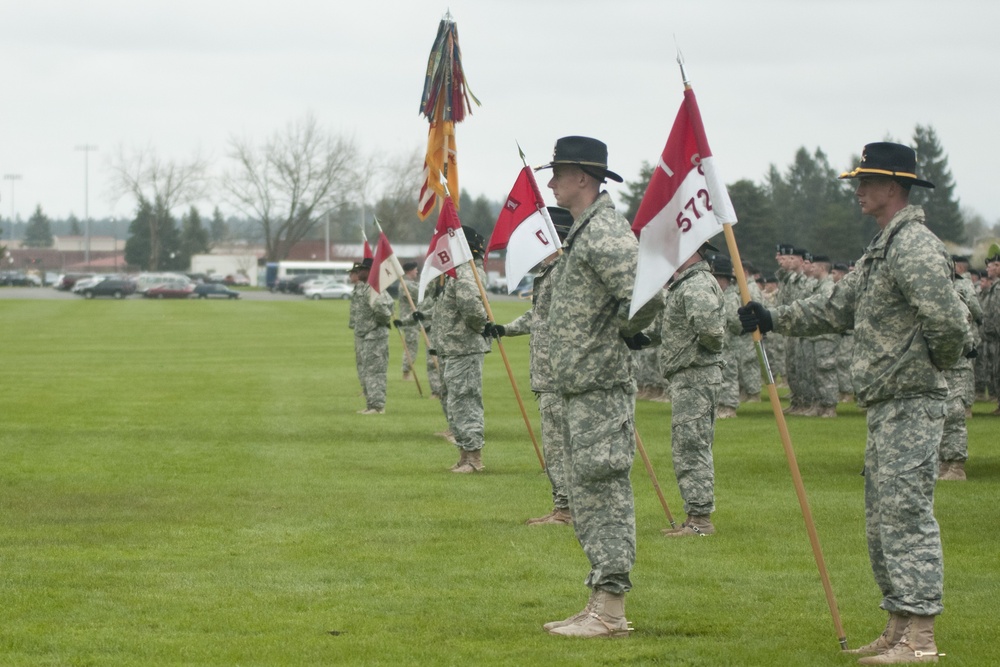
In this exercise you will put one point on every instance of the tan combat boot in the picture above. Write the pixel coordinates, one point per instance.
(917, 645)
(574, 618)
(473, 462)
(700, 526)
(463, 456)
(606, 619)
(556, 516)
(890, 637)
(828, 412)
(725, 412)
(952, 471)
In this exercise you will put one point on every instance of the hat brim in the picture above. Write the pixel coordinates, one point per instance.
(586, 166)
(910, 178)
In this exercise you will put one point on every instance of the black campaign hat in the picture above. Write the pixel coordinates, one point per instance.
(884, 158)
(722, 266)
(562, 220)
(589, 154)
(366, 263)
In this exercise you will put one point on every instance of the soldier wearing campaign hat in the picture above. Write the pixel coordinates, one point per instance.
(909, 323)
(593, 371)
(371, 317)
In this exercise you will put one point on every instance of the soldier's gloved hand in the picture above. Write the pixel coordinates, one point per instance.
(636, 342)
(489, 331)
(755, 316)
(418, 316)
(499, 330)
(397, 323)
(431, 351)
(972, 354)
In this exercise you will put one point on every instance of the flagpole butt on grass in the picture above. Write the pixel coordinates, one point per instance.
(786, 442)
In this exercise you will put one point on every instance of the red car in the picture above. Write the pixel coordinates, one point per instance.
(169, 292)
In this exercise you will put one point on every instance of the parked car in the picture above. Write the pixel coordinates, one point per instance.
(114, 287)
(525, 288)
(169, 291)
(19, 279)
(332, 290)
(236, 279)
(207, 290)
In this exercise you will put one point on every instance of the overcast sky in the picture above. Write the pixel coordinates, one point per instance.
(771, 76)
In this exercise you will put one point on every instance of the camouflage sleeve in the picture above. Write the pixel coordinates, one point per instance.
(382, 308)
(521, 326)
(705, 317)
(923, 277)
(820, 314)
(468, 299)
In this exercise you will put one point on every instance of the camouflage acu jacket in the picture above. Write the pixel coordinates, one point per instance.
(371, 312)
(591, 295)
(908, 320)
(536, 323)
(459, 314)
(692, 326)
(411, 287)
(991, 311)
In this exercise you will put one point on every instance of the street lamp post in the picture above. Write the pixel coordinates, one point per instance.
(86, 148)
(12, 178)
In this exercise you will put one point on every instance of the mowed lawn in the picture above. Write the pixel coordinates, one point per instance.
(188, 483)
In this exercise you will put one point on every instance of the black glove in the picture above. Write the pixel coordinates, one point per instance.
(490, 331)
(755, 316)
(499, 330)
(397, 323)
(431, 351)
(972, 354)
(418, 316)
(636, 342)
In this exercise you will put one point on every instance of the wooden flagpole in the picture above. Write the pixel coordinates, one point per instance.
(786, 440)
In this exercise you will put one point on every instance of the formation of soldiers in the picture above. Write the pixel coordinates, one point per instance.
(690, 347)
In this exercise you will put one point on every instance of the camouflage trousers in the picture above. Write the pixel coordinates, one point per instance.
(435, 374)
(822, 353)
(600, 434)
(463, 386)
(373, 365)
(793, 372)
(550, 407)
(692, 431)
(904, 541)
(845, 349)
(983, 366)
(749, 365)
(411, 347)
(729, 390)
(992, 365)
(774, 344)
(955, 436)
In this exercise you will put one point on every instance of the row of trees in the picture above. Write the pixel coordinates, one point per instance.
(302, 181)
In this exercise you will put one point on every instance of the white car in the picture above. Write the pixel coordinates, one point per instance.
(330, 291)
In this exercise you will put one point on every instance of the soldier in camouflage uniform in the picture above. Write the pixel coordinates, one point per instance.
(791, 282)
(691, 333)
(593, 370)
(550, 404)
(845, 347)
(954, 449)
(459, 324)
(820, 356)
(991, 325)
(728, 399)
(775, 343)
(371, 315)
(411, 334)
(909, 323)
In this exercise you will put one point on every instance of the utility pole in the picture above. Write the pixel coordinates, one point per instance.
(86, 148)
(12, 178)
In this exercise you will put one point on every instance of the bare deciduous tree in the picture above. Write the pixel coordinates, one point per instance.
(290, 181)
(164, 184)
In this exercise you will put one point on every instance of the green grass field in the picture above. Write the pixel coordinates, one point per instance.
(188, 483)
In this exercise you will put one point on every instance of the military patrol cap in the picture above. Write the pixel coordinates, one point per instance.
(477, 244)
(884, 158)
(589, 154)
(562, 220)
(722, 266)
(993, 254)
